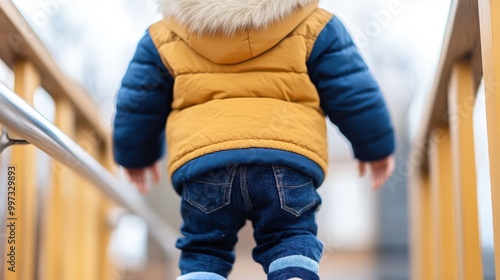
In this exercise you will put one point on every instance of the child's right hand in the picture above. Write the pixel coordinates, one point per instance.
(137, 176)
(381, 170)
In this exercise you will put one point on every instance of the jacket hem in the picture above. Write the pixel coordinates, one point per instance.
(227, 158)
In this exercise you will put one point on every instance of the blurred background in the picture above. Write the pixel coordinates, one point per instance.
(365, 232)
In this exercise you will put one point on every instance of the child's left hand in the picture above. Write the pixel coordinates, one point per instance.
(137, 176)
(381, 170)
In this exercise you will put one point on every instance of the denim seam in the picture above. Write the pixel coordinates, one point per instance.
(244, 189)
(278, 178)
(230, 183)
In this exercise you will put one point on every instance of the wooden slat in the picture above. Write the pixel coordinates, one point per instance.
(415, 229)
(88, 202)
(73, 229)
(27, 81)
(489, 11)
(415, 224)
(428, 261)
(53, 262)
(462, 92)
(86, 246)
(442, 205)
(105, 229)
(70, 204)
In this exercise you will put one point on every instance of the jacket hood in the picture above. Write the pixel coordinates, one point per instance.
(232, 31)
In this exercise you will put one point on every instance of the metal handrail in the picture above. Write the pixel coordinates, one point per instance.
(20, 118)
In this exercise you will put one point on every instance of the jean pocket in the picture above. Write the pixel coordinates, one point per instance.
(297, 191)
(210, 191)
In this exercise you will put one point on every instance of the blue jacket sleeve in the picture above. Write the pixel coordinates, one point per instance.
(349, 95)
(142, 106)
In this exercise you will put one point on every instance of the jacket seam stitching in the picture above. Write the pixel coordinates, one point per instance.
(249, 44)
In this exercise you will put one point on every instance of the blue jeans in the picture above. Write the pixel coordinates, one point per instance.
(281, 204)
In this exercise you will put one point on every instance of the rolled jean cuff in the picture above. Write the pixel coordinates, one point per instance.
(294, 261)
(201, 276)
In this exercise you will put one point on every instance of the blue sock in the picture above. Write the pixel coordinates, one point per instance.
(293, 266)
(291, 272)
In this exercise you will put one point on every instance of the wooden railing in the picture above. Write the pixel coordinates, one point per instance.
(445, 232)
(69, 240)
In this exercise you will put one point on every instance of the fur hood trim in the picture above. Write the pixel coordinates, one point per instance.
(228, 16)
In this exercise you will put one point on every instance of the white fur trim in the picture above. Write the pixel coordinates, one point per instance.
(228, 16)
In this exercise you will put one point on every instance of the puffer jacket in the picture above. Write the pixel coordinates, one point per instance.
(243, 82)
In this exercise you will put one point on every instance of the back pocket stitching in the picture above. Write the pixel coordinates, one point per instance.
(226, 200)
(282, 196)
(227, 193)
(289, 209)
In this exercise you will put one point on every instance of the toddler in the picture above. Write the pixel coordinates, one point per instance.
(239, 91)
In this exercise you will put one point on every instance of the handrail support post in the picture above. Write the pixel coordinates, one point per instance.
(6, 141)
